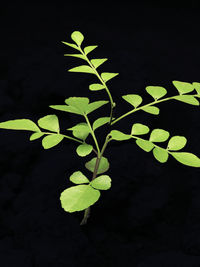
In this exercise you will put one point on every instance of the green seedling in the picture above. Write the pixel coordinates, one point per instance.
(87, 190)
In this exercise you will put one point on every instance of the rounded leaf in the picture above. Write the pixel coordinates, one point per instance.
(176, 143)
(152, 110)
(183, 87)
(159, 135)
(103, 165)
(77, 37)
(160, 154)
(52, 140)
(145, 145)
(78, 197)
(49, 122)
(35, 136)
(96, 87)
(84, 150)
(186, 158)
(156, 91)
(138, 129)
(133, 99)
(78, 178)
(119, 136)
(102, 182)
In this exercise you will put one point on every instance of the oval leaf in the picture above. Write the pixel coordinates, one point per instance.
(183, 87)
(197, 87)
(102, 182)
(159, 135)
(77, 37)
(78, 178)
(189, 99)
(89, 49)
(97, 62)
(145, 145)
(176, 142)
(49, 122)
(20, 124)
(106, 76)
(78, 197)
(151, 110)
(139, 128)
(84, 150)
(81, 130)
(83, 69)
(133, 99)
(96, 87)
(35, 136)
(186, 158)
(103, 166)
(52, 140)
(119, 136)
(160, 154)
(100, 122)
(156, 91)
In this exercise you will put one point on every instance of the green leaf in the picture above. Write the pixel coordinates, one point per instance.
(52, 140)
(71, 45)
(139, 128)
(189, 99)
(78, 178)
(145, 145)
(119, 136)
(20, 124)
(100, 122)
(97, 62)
(133, 99)
(78, 197)
(95, 105)
(83, 69)
(77, 37)
(96, 87)
(106, 76)
(160, 154)
(176, 142)
(156, 91)
(66, 108)
(35, 136)
(84, 150)
(197, 87)
(89, 48)
(186, 158)
(103, 165)
(81, 130)
(152, 110)
(102, 182)
(159, 135)
(79, 103)
(183, 87)
(75, 55)
(49, 122)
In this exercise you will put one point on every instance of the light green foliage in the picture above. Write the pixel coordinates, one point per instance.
(86, 191)
(78, 178)
(102, 182)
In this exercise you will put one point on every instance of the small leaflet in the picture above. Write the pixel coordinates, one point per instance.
(49, 122)
(138, 129)
(78, 178)
(35, 136)
(183, 87)
(187, 158)
(160, 154)
(106, 76)
(97, 62)
(176, 142)
(82, 69)
(89, 49)
(189, 99)
(146, 145)
(133, 99)
(52, 140)
(71, 45)
(102, 182)
(96, 87)
(84, 150)
(75, 55)
(119, 136)
(156, 91)
(152, 110)
(77, 37)
(159, 135)
(20, 124)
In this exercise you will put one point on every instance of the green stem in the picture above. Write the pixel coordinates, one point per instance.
(147, 105)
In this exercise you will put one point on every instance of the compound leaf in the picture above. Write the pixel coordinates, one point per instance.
(81, 130)
(102, 182)
(49, 122)
(138, 129)
(99, 122)
(160, 154)
(159, 135)
(20, 124)
(133, 99)
(183, 87)
(186, 158)
(103, 165)
(52, 140)
(156, 91)
(83, 69)
(197, 87)
(119, 136)
(75, 55)
(77, 37)
(145, 145)
(35, 136)
(89, 48)
(84, 150)
(189, 99)
(176, 142)
(78, 178)
(78, 197)
(95, 105)
(106, 76)
(97, 62)
(151, 110)
(96, 87)
(71, 45)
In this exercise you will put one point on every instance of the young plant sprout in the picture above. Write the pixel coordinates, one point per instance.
(86, 190)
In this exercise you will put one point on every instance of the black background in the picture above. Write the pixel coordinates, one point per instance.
(151, 215)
